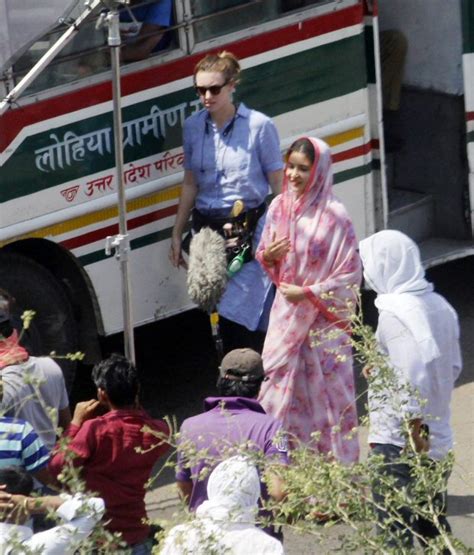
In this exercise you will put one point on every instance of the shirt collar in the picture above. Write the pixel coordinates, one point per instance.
(236, 403)
(242, 110)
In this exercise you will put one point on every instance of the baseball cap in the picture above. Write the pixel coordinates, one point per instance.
(242, 364)
(4, 309)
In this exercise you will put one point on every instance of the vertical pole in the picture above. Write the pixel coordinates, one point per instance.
(123, 241)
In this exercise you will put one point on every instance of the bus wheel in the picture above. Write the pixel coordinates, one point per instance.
(53, 327)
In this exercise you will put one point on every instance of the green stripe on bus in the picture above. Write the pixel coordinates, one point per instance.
(470, 137)
(468, 26)
(352, 173)
(306, 78)
(370, 53)
(376, 164)
(282, 85)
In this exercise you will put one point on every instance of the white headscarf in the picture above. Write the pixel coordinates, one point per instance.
(393, 269)
(233, 490)
(225, 523)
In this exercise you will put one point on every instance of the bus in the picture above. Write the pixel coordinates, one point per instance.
(314, 66)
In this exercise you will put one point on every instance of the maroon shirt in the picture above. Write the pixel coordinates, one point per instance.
(106, 449)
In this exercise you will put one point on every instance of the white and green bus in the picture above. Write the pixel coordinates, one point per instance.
(312, 65)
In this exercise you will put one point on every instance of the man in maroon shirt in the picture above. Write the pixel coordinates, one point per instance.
(115, 453)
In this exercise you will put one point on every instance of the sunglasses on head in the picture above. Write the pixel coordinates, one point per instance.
(214, 89)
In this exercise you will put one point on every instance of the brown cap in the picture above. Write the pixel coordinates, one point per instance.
(242, 364)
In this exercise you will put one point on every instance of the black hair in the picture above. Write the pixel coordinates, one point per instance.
(16, 480)
(305, 146)
(6, 328)
(237, 388)
(118, 377)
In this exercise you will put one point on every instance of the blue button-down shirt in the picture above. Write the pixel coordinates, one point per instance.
(231, 163)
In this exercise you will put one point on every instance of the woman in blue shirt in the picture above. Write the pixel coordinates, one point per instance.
(231, 153)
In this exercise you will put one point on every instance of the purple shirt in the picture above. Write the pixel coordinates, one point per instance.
(227, 422)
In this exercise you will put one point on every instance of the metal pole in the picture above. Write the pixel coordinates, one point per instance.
(120, 242)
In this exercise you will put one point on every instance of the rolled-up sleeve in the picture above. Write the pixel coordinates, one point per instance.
(269, 147)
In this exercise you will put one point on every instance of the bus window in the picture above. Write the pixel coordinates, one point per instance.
(88, 53)
(219, 17)
(290, 5)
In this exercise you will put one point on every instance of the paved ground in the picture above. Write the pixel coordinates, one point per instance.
(180, 369)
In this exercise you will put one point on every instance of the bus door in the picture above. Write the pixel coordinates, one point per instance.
(468, 71)
(424, 117)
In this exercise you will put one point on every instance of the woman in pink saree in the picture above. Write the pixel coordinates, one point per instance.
(308, 248)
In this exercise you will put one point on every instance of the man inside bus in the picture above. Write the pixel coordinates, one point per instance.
(145, 32)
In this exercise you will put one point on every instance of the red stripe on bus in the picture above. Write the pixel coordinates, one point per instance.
(352, 152)
(132, 223)
(470, 116)
(375, 143)
(13, 121)
(371, 7)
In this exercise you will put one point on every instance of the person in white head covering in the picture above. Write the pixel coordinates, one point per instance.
(418, 330)
(225, 523)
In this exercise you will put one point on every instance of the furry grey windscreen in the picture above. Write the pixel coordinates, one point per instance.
(207, 269)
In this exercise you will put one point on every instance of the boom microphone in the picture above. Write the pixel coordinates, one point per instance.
(207, 269)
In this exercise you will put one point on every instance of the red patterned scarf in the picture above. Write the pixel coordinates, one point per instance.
(11, 352)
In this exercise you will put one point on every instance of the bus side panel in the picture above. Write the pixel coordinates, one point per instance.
(379, 199)
(314, 77)
(468, 69)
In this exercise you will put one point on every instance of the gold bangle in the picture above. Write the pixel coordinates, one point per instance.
(25, 506)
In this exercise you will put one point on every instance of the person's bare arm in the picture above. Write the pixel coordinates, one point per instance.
(184, 489)
(421, 443)
(186, 203)
(142, 46)
(275, 485)
(275, 180)
(16, 508)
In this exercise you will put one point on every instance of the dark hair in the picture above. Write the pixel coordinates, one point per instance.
(16, 480)
(237, 388)
(224, 62)
(6, 329)
(6, 302)
(118, 377)
(305, 146)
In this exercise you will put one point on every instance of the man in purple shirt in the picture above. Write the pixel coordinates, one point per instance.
(230, 423)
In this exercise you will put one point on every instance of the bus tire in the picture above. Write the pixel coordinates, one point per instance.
(53, 327)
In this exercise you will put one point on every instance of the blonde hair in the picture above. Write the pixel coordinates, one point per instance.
(224, 62)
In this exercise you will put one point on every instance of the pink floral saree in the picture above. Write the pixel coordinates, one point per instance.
(307, 355)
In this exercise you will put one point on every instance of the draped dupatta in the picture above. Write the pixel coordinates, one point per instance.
(322, 259)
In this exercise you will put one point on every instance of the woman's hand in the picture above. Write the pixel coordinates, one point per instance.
(291, 292)
(175, 254)
(276, 250)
